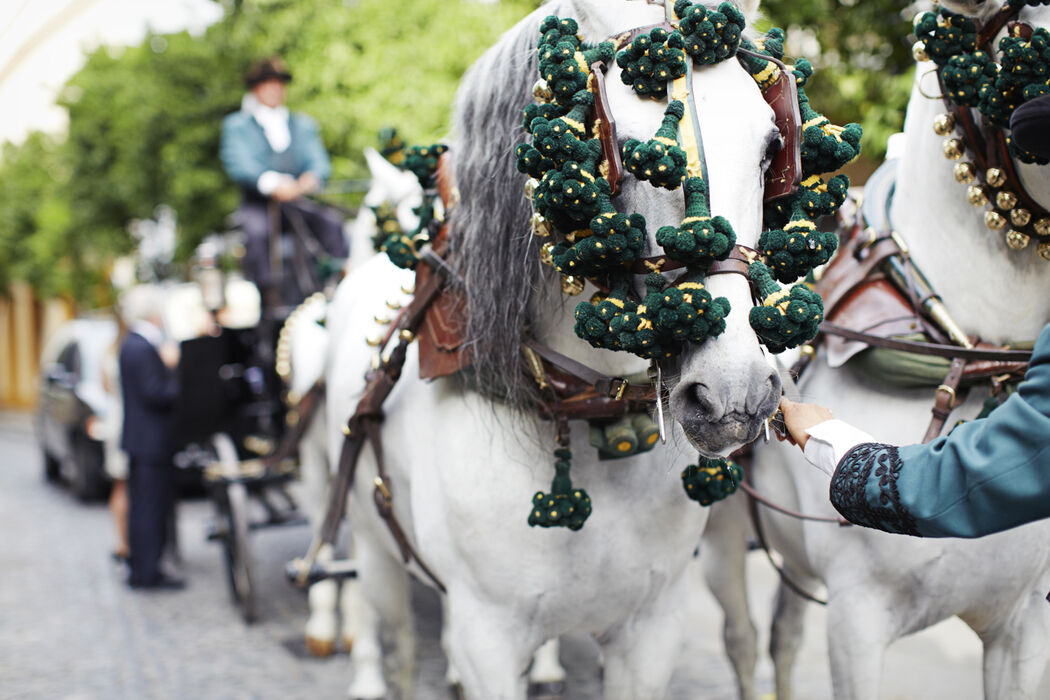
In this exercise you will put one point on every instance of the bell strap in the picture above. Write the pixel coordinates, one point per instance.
(738, 261)
(934, 349)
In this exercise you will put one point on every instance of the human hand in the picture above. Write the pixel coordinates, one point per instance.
(309, 183)
(287, 191)
(800, 417)
(169, 354)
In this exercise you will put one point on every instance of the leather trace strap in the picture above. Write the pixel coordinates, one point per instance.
(944, 400)
(935, 349)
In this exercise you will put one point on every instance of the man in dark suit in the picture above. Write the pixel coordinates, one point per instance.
(149, 389)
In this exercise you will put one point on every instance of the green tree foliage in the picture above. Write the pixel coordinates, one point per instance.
(144, 121)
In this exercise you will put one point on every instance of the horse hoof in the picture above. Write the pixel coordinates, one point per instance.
(547, 690)
(455, 691)
(348, 644)
(320, 648)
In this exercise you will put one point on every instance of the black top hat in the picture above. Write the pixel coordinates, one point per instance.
(272, 68)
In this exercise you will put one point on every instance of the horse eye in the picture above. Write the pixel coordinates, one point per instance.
(772, 149)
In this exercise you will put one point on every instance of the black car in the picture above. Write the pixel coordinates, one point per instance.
(71, 419)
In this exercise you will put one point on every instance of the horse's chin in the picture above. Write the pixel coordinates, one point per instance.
(720, 438)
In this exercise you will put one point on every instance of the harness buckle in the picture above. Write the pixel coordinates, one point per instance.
(951, 394)
(622, 388)
(382, 488)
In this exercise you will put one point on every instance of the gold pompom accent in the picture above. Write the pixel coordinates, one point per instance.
(965, 172)
(1006, 200)
(994, 220)
(995, 177)
(943, 124)
(540, 226)
(545, 253)
(975, 196)
(953, 149)
(530, 187)
(571, 285)
(918, 52)
(1044, 251)
(541, 92)
(1042, 227)
(1016, 239)
(1020, 217)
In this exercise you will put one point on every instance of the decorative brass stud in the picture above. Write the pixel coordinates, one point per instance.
(1006, 200)
(1016, 240)
(1044, 251)
(541, 92)
(995, 177)
(409, 288)
(540, 226)
(943, 124)
(1042, 227)
(975, 196)
(571, 285)
(545, 253)
(393, 304)
(918, 52)
(1020, 217)
(530, 187)
(406, 335)
(965, 172)
(994, 220)
(374, 339)
(381, 319)
(952, 148)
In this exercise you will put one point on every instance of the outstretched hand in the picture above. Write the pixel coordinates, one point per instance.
(800, 417)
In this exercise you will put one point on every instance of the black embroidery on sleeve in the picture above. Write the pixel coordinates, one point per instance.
(849, 489)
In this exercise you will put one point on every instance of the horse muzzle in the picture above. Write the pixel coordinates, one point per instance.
(719, 415)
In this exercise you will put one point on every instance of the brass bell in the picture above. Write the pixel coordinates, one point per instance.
(1016, 240)
(965, 172)
(944, 124)
(406, 335)
(1044, 251)
(1020, 217)
(571, 285)
(975, 196)
(953, 149)
(374, 339)
(393, 304)
(541, 91)
(540, 226)
(545, 253)
(1006, 200)
(994, 220)
(409, 288)
(530, 187)
(918, 52)
(995, 177)
(1042, 227)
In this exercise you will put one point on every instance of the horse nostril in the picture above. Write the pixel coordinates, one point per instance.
(706, 403)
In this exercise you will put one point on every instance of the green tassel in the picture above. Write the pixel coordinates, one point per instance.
(422, 161)
(660, 160)
(701, 239)
(651, 61)
(614, 240)
(564, 506)
(710, 35)
(711, 480)
(785, 318)
(391, 145)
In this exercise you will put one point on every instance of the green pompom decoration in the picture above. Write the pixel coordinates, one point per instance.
(710, 35)
(565, 61)
(825, 147)
(422, 161)
(660, 160)
(798, 246)
(711, 480)
(651, 61)
(701, 239)
(568, 196)
(613, 240)
(945, 34)
(965, 75)
(785, 318)
(391, 145)
(564, 506)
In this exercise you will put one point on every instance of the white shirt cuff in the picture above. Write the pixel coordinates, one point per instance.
(269, 181)
(830, 441)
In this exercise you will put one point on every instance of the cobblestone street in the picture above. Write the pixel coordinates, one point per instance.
(69, 628)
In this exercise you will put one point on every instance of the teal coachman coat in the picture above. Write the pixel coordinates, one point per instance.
(246, 154)
(987, 475)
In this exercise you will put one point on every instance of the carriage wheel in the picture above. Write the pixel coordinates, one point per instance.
(233, 514)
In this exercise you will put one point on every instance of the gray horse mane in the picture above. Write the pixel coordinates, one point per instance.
(490, 234)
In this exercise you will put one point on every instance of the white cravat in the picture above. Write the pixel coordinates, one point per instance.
(830, 441)
(274, 123)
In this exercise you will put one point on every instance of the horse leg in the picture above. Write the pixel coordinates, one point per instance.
(1015, 654)
(452, 678)
(640, 654)
(384, 584)
(723, 556)
(789, 610)
(857, 641)
(489, 650)
(546, 675)
(321, 625)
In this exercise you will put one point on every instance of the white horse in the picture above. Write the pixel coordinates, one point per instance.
(391, 186)
(881, 587)
(463, 466)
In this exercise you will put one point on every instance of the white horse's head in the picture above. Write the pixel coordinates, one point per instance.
(390, 186)
(723, 389)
